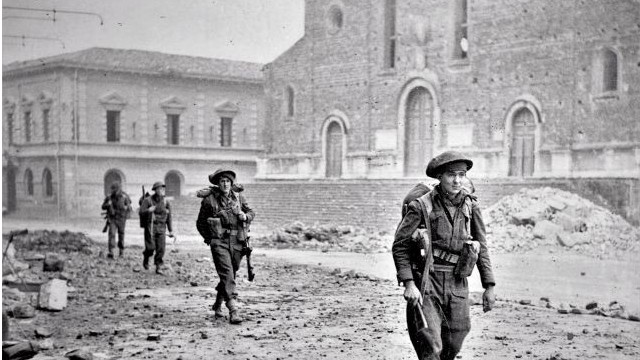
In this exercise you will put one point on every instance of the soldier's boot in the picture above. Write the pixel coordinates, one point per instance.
(121, 253)
(234, 316)
(217, 306)
(145, 261)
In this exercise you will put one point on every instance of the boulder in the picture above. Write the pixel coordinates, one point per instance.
(570, 223)
(53, 262)
(545, 229)
(525, 217)
(79, 354)
(23, 311)
(53, 295)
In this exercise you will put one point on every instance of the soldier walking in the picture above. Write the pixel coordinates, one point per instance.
(118, 207)
(437, 244)
(158, 210)
(223, 223)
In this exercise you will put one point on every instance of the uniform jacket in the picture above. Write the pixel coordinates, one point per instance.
(161, 216)
(216, 205)
(443, 235)
(117, 205)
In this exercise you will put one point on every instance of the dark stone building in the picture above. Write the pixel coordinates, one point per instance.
(529, 89)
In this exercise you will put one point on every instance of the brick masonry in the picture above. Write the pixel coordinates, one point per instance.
(376, 204)
(543, 54)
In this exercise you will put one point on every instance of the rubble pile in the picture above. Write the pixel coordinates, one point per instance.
(548, 216)
(51, 240)
(327, 238)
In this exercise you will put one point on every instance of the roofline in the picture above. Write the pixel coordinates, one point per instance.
(67, 65)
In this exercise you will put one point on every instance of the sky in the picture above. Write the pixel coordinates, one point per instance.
(248, 30)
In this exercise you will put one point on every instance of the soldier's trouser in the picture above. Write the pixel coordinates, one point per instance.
(149, 244)
(446, 309)
(157, 244)
(227, 255)
(116, 226)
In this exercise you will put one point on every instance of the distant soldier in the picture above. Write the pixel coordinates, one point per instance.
(438, 243)
(118, 207)
(159, 210)
(223, 223)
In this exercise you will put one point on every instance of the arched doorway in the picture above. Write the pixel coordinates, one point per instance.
(334, 150)
(109, 178)
(522, 157)
(173, 184)
(418, 135)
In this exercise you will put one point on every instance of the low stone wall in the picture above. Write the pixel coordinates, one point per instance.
(376, 203)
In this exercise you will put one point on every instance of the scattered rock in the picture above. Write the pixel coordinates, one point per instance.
(193, 283)
(53, 295)
(79, 354)
(576, 311)
(153, 337)
(525, 302)
(570, 336)
(43, 333)
(545, 229)
(592, 305)
(23, 350)
(23, 311)
(53, 262)
(46, 344)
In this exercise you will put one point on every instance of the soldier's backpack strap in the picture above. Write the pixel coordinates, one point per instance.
(426, 207)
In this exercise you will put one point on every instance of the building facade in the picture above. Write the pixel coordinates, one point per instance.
(75, 123)
(529, 89)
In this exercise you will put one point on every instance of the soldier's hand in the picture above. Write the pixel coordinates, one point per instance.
(152, 208)
(488, 299)
(475, 244)
(411, 293)
(242, 216)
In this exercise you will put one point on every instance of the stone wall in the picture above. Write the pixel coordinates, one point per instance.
(376, 204)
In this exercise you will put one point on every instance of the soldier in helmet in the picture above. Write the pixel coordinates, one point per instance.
(118, 207)
(223, 223)
(159, 209)
(437, 244)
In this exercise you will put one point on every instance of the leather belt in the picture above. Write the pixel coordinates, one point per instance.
(443, 268)
(446, 256)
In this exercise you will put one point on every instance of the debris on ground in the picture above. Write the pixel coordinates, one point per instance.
(55, 241)
(553, 217)
(325, 237)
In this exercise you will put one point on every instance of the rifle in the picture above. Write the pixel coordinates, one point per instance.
(106, 222)
(247, 250)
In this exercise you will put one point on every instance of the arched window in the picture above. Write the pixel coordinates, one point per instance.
(47, 183)
(290, 100)
(460, 31)
(173, 184)
(335, 19)
(109, 178)
(28, 181)
(609, 70)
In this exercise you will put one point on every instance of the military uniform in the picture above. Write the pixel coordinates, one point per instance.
(118, 206)
(227, 247)
(452, 222)
(159, 223)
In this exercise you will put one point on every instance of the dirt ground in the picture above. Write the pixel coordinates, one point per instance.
(291, 311)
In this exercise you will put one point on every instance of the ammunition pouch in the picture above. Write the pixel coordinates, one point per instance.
(216, 228)
(466, 261)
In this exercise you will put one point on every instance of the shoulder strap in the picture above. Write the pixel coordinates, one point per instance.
(426, 206)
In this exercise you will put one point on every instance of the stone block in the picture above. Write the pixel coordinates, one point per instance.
(525, 217)
(23, 311)
(53, 262)
(53, 295)
(545, 229)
